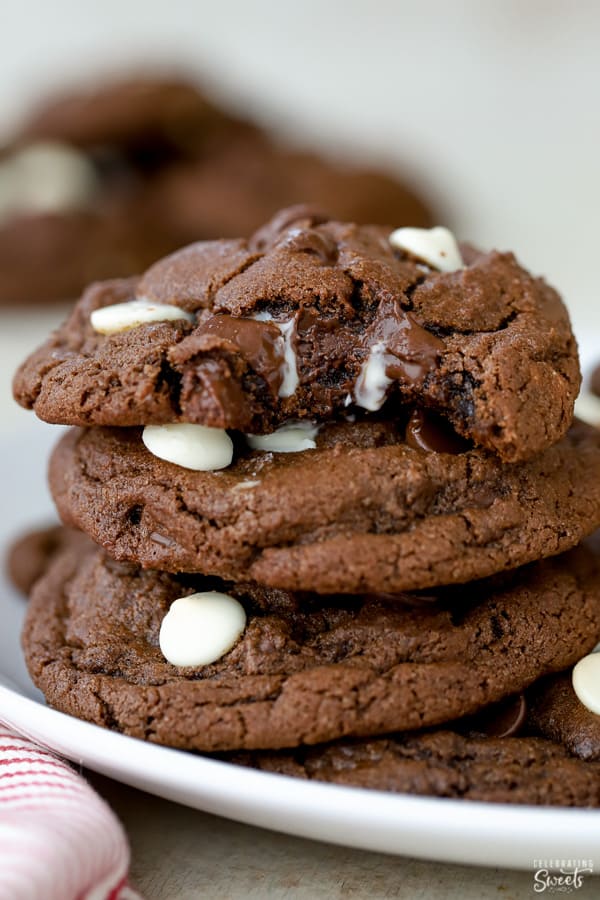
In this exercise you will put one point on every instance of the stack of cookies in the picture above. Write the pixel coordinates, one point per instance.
(337, 504)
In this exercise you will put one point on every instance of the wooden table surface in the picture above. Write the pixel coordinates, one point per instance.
(181, 854)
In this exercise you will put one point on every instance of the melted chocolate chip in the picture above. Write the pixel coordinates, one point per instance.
(416, 350)
(501, 720)
(212, 390)
(410, 599)
(315, 330)
(258, 343)
(428, 431)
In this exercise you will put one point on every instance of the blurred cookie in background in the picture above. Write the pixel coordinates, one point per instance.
(252, 177)
(144, 122)
(74, 179)
(101, 183)
(587, 406)
(595, 381)
(30, 554)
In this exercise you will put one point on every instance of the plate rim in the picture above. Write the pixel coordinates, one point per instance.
(418, 826)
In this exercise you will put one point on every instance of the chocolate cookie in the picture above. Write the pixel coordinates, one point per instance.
(146, 119)
(311, 318)
(306, 668)
(365, 510)
(252, 177)
(595, 381)
(101, 183)
(30, 555)
(556, 712)
(49, 258)
(73, 184)
(445, 764)
(215, 175)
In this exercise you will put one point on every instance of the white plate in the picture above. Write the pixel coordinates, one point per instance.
(446, 830)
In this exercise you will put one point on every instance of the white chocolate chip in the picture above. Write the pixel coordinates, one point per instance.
(162, 539)
(372, 382)
(201, 628)
(190, 446)
(291, 438)
(289, 364)
(587, 408)
(435, 246)
(245, 485)
(46, 178)
(123, 316)
(586, 681)
(290, 361)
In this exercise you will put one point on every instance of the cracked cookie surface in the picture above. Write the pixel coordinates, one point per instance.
(488, 346)
(363, 511)
(307, 668)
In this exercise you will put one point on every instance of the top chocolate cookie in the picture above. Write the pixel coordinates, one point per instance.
(307, 319)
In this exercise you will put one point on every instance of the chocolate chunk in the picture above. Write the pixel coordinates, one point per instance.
(257, 343)
(426, 431)
(415, 350)
(501, 720)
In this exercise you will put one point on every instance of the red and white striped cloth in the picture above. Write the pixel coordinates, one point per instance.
(58, 839)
